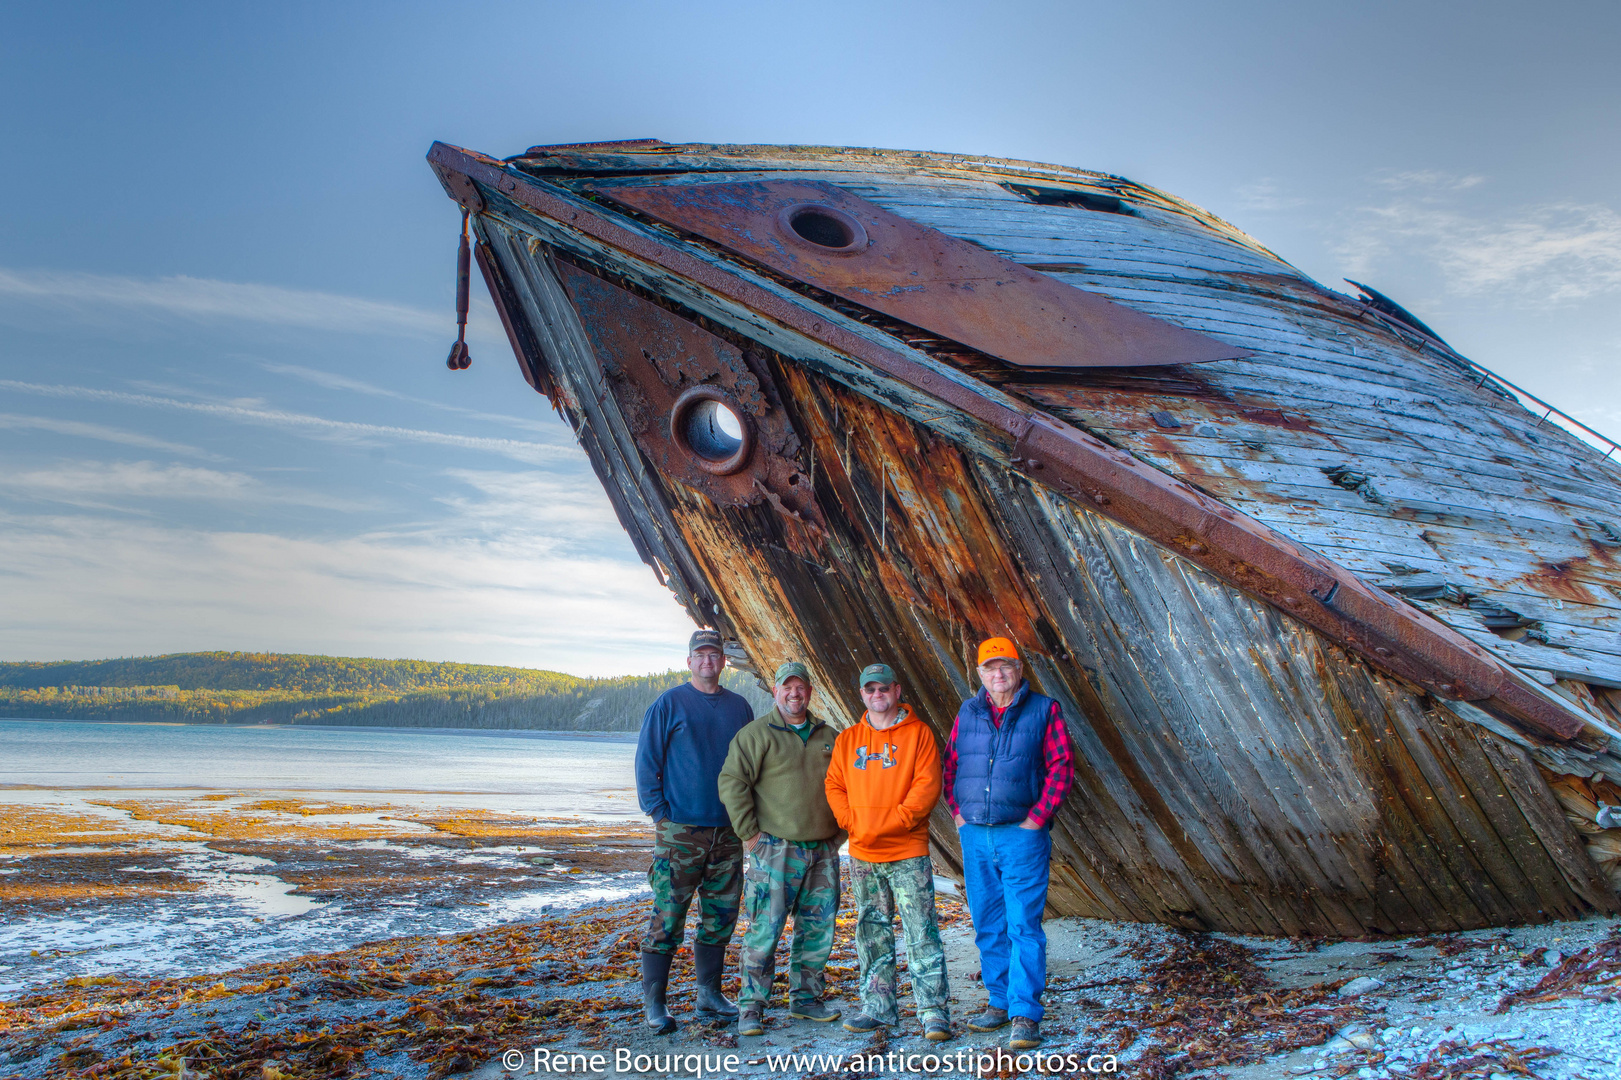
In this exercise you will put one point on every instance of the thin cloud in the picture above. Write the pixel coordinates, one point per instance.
(1431, 179)
(1562, 252)
(208, 300)
(82, 430)
(94, 483)
(1267, 195)
(314, 426)
(84, 586)
(534, 504)
(333, 381)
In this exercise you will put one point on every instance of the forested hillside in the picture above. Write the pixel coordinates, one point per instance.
(265, 688)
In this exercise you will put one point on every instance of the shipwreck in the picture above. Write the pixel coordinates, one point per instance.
(1334, 615)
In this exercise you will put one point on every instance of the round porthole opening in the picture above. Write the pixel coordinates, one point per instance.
(825, 227)
(710, 427)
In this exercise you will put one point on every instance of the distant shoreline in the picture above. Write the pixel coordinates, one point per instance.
(606, 735)
(286, 690)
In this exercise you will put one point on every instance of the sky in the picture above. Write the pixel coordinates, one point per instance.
(227, 274)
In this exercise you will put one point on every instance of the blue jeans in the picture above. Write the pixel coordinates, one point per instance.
(1005, 871)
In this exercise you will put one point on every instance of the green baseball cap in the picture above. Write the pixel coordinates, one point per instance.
(788, 671)
(879, 673)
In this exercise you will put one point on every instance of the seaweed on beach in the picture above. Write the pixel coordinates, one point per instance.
(449, 1002)
(1593, 973)
(1459, 1059)
(446, 1002)
(1207, 1003)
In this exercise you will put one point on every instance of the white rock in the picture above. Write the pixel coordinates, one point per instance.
(1554, 959)
(1362, 984)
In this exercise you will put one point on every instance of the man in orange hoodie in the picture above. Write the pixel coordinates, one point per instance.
(882, 783)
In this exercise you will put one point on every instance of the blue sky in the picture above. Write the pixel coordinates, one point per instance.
(226, 273)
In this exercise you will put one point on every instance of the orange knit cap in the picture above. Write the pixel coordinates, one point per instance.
(997, 648)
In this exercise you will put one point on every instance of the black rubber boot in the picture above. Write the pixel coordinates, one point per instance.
(708, 963)
(655, 982)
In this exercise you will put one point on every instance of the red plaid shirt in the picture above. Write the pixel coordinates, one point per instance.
(1055, 754)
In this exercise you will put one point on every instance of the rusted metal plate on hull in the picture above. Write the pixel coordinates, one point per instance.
(670, 377)
(824, 236)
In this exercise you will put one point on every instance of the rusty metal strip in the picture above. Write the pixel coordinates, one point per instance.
(1241, 551)
(825, 236)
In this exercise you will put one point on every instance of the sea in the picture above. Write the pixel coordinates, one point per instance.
(238, 911)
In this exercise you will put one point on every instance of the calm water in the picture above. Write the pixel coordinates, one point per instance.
(241, 912)
(529, 770)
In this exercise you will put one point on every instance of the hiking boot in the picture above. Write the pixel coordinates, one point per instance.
(708, 963)
(655, 982)
(751, 1021)
(813, 1010)
(936, 1029)
(992, 1019)
(1026, 1034)
(862, 1024)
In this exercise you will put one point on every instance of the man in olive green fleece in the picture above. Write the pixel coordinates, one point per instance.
(774, 788)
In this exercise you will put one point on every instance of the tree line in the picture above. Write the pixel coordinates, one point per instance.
(266, 688)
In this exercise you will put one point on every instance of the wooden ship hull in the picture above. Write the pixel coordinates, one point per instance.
(1333, 617)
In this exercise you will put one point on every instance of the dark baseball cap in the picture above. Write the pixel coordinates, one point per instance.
(705, 639)
(878, 673)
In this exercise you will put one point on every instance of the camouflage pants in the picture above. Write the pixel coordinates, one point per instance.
(785, 878)
(881, 888)
(687, 860)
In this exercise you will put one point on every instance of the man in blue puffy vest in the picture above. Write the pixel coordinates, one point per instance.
(1008, 764)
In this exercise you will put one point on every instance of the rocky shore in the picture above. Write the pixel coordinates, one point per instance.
(522, 969)
(1131, 1000)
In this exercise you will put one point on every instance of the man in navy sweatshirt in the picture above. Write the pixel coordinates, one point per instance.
(683, 744)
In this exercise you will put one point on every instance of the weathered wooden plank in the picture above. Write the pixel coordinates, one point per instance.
(1468, 893)
(1532, 799)
(1258, 700)
(1479, 782)
(1288, 716)
(1481, 862)
(1213, 721)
